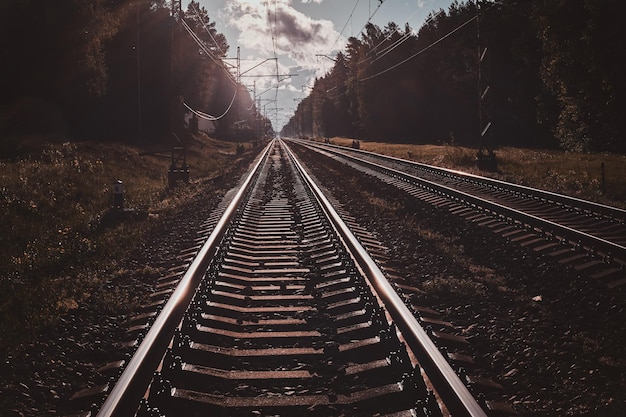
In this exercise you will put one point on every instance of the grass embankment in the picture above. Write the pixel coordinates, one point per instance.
(570, 173)
(59, 241)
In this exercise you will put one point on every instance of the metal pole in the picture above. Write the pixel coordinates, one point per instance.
(139, 125)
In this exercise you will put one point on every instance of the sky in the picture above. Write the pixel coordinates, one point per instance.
(297, 32)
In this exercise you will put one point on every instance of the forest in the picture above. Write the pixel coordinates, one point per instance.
(116, 70)
(539, 73)
(484, 73)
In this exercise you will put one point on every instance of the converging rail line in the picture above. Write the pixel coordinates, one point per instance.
(283, 312)
(587, 235)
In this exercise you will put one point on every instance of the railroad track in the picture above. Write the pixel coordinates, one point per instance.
(588, 236)
(283, 312)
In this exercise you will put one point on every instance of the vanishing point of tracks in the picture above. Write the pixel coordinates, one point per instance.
(282, 312)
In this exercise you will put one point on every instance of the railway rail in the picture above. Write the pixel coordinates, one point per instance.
(283, 312)
(587, 235)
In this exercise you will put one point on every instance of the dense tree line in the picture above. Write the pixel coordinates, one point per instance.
(554, 70)
(114, 69)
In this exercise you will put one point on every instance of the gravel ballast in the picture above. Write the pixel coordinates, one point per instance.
(553, 339)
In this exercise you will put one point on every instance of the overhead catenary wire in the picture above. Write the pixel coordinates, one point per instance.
(345, 25)
(345, 84)
(276, 56)
(389, 48)
(421, 51)
(369, 19)
(374, 50)
(273, 36)
(398, 42)
(204, 25)
(207, 51)
(207, 116)
(393, 46)
(386, 49)
(380, 3)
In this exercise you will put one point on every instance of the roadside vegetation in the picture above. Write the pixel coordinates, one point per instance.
(577, 174)
(542, 79)
(61, 238)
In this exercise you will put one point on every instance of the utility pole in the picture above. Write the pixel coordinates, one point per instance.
(176, 13)
(138, 52)
(238, 84)
(178, 170)
(239, 74)
(255, 113)
(297, 117)
(486, 157)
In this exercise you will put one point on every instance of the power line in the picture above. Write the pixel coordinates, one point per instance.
(272, 27)
(345, 84)
(398, 42)
(369, 19)
(420, 51)
(346, 24)
(393, 46)
(207, 116)
(206, 50)
(206, 28)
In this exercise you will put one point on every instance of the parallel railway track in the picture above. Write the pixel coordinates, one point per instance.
(282, 312)
(587, 235)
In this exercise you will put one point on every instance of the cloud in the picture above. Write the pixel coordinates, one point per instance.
(290, 87)
(276, 26)
(264, 27)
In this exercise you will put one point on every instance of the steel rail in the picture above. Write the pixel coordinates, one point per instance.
(594, 243)
(457, 398)
(134, 381)
(573, 202)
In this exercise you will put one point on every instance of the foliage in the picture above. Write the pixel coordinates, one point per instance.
(553, 69)
(582, 69)
(61, 241)
(100, 69)
(578, 174)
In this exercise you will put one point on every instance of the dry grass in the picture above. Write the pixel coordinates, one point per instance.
(570, 173)
(56, 243)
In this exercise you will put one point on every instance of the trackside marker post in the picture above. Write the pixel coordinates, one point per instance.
(118, 195)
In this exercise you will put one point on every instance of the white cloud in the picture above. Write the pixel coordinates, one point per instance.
(275, 25)
(289, 87)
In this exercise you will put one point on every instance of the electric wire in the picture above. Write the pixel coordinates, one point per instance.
(344, 26)
(272, 27)
(276, 58)
(393, 46)
(385, 50)
(207, 116)
(206, 50)
(204, 25)
(420, 51)
(374, 50)
(345, 83)
(369, 19)
(405, 37)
